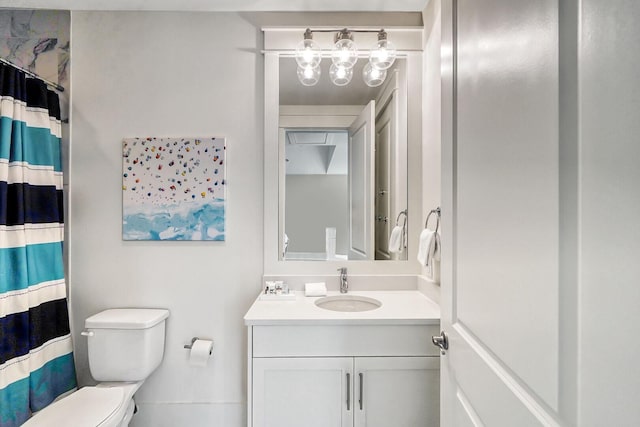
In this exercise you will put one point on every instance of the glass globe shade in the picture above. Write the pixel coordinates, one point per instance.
(308, 53)
(382, 55)
(344, 53)
(308, 75)
(340, 75)
(372, 76)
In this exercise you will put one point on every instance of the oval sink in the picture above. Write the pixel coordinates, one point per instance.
(348, 303)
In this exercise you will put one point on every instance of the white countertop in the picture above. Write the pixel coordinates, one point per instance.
(398, 307)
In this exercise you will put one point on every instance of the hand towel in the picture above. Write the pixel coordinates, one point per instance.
(318, 289)
(426, 247)
(396, 240)
(436, 247)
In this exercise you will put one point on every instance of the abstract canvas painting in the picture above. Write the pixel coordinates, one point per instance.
(173, 188)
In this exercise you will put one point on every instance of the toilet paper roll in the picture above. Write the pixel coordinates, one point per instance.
(200, 352)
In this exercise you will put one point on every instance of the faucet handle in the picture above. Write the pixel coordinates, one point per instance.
(342, 270)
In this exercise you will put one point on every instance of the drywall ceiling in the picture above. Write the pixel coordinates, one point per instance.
(226, 5)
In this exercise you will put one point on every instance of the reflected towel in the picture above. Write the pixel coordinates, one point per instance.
(426, 247)
(396, 240)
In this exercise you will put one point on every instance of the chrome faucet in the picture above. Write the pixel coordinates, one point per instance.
(344, 286)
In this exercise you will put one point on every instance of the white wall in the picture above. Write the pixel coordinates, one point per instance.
(314, 202)
(431, 161)
(168, 74)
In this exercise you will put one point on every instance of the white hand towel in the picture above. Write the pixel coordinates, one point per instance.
(318, 289)
(396, 240)
(426, 246)
(436, 247)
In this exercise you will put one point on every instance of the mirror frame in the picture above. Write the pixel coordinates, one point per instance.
(274, 184)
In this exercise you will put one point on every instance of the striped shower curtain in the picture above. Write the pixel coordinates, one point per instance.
(36, 360)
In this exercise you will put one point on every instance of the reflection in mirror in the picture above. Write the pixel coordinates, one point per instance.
(343, 167)
(316, 193)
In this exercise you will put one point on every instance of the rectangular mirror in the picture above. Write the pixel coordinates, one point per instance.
(343, 166)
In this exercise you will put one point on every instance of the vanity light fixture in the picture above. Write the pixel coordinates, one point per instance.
(345, 52)
(383, 53)
(372, 76)
(309, 75)
(344, 55)
(308, 53)
(340, 75)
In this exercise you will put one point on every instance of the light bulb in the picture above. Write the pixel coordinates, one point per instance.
(340, 75)
(383, 53)
(308, 52)
(308, 75)
(345, 53)
(373, 77)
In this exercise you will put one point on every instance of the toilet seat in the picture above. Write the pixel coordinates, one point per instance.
(100, 406)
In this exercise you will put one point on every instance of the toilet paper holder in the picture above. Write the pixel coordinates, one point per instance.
(190, 346)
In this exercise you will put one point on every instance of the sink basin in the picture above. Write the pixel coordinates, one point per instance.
(348, 303)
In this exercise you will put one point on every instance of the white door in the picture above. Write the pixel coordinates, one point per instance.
(396, 391)
(500, 204)
(309, 392)
(383, 161)
(361, 181)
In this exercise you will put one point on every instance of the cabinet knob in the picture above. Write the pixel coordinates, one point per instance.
(441, 341)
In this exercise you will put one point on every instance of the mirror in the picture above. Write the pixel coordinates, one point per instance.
(342, 166)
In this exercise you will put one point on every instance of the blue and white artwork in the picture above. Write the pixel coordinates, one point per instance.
(173, 188)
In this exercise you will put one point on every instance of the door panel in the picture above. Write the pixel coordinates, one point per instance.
(361, 181)
(500, 207)
(465, 415)
(507, 185)
(383, 160)
(492, 396)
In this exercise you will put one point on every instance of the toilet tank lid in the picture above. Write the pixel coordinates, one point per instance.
(127, 318)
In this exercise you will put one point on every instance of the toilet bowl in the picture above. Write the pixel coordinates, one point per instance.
(125, 347)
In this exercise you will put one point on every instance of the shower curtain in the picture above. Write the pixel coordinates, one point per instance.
(36, 360)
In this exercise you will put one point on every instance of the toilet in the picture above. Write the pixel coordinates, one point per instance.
(125, 346)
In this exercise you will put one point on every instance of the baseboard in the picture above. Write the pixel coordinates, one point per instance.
(190, 415)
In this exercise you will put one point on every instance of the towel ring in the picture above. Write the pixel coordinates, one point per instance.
(404, 212)
(433, 211)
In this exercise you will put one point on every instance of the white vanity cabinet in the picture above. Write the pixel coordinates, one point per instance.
(310, 392)
(397, 391)
(343, 376)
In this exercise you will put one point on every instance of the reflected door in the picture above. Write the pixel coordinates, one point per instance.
(383, 219)
(361, 181)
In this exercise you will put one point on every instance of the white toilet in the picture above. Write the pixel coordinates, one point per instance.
(125, 346)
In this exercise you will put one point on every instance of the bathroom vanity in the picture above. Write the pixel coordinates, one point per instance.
(311, 366)
(316, 367)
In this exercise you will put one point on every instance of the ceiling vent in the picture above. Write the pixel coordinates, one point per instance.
(307, 137)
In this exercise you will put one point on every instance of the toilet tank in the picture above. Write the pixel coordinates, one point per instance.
(125, 344)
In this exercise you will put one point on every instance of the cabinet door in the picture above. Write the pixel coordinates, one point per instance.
(397, 391)
(309, 392)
